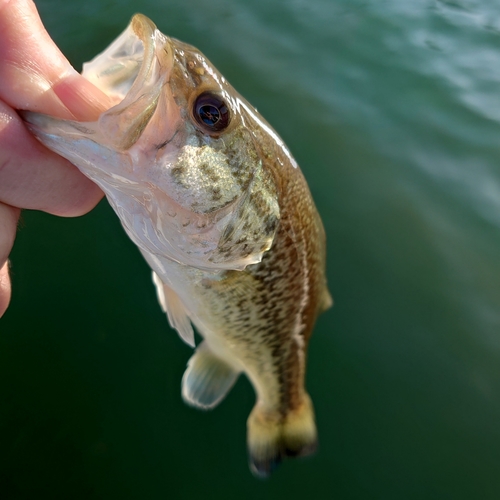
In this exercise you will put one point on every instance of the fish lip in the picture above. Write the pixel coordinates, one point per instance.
(155, 44)
(118, 70)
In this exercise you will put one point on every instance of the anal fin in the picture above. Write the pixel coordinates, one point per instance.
(207, 379)
(175, 310)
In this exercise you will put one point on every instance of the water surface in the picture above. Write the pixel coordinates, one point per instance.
(392, 109)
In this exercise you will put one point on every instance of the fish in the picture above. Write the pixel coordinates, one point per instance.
(223, 215)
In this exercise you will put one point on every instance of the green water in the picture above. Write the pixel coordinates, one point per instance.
(392, 109)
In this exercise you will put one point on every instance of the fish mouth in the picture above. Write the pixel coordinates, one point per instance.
(129, 62)
(132, 71)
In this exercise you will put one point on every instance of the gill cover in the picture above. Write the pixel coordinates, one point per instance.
(122, 152)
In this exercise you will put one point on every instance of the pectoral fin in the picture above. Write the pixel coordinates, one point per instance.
(207, 379)
(175, 310)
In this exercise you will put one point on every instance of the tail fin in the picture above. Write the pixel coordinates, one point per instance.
(272, 437)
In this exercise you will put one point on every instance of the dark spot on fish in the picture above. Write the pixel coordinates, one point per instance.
(216, 194)
(209, 172)
(163, 144)
(177, 171)
(270, 225)
(259, 203)
(229, 230)
(81, 128)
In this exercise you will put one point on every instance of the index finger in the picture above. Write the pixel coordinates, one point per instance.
(35, 75)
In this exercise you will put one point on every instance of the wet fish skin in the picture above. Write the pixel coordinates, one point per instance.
(225, 219)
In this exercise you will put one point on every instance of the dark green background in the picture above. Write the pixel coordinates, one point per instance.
(392, 108)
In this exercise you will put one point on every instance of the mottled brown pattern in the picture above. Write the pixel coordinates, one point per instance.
(265, 314)
(264, 304)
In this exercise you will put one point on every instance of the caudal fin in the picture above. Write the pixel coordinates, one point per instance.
(272, 437)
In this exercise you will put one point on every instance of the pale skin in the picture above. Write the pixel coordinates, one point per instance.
(35, 76)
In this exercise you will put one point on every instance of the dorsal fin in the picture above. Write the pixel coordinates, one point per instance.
(326, 300)
(177, 314)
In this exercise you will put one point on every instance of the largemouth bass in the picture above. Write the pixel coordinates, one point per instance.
(221, 212)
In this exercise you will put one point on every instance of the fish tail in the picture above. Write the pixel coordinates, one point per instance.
(272, 436)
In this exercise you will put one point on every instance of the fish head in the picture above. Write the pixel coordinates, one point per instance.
(184, 160)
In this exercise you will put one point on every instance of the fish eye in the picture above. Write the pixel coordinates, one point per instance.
(211, 112)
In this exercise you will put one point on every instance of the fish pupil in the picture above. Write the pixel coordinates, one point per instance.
(211, 112)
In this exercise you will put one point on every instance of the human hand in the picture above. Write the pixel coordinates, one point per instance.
(35, 76)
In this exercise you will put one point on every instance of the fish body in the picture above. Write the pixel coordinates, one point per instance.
(223, 215)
